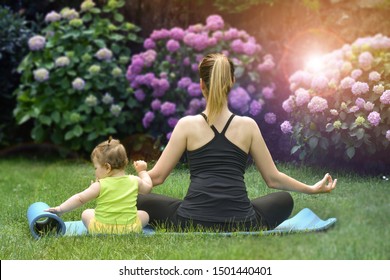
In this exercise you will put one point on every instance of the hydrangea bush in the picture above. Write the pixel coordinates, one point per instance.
(343, 108)
(165, 76)
(73, 83)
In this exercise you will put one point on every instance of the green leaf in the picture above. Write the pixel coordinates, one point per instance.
(55, 116)
(329, 127)
(45, 119)
(69, 135)
(313, 142)
(351, 152)
(360, 133)
(77, 131)
(118, 17)
(295, 149)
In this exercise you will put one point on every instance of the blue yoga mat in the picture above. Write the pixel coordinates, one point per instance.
(43, 223)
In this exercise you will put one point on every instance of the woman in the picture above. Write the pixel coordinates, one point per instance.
(218, 144)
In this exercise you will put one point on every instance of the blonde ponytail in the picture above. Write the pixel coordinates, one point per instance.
(216, 71)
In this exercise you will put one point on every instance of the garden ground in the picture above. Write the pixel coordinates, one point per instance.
(360, 204)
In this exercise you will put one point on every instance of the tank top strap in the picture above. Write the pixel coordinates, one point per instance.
(227, 124)
(212, 127)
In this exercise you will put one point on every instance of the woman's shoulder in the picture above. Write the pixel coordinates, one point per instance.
(244, 120)
(191, 120)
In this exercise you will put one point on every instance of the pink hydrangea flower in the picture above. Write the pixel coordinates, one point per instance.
(374, 118)
(36, 43)
(347, 82)
(388, 135)
(286, 127)
(288, 104)
(360, 88)
(374, 76)
(172, 45)
(317, 104)
(214, 22)
(385, 97)
(302, 96)
(270, 118)
(52, 17)
(356, 73)
(365, 60)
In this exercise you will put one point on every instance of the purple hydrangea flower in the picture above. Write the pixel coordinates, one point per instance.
(139, 95)
(156, 105)
(177, 33)
(184, 82)
(168, 108)
(172, 122)
(172, 45)
(194, 90)
(360, 102)
(147, 119)
(270, 118)
(374, 118)
(286, 127)
(214, 22)
(239, 99)
(149, 44)
(255, 108)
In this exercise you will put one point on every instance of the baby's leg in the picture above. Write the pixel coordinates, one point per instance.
(87, 216)
(144, 217)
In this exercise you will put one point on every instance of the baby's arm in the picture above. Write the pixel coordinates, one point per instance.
(77, 200)
(144, 181)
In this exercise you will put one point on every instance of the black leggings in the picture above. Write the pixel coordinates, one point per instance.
(271, 210)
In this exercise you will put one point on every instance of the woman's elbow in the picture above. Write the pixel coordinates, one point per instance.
(272, 181)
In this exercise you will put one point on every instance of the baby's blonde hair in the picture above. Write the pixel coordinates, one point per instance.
(111, 152)
(217, 73)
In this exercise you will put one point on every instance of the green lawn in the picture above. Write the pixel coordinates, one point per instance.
(360, 203)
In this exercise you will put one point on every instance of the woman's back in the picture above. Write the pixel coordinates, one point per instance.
(217, 191)
(199, 133)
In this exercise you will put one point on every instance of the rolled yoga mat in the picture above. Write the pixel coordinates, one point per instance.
(44, 223)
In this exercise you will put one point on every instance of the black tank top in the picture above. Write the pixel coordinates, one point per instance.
(217, 191)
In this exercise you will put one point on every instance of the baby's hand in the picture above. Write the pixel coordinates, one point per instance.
(55, 210)
(140, 165)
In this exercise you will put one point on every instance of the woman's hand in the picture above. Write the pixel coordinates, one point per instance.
(327, 184)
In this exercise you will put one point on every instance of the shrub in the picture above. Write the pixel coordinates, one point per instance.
(73, 81)
(165, 76)
(14, 33)
(343, 108)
